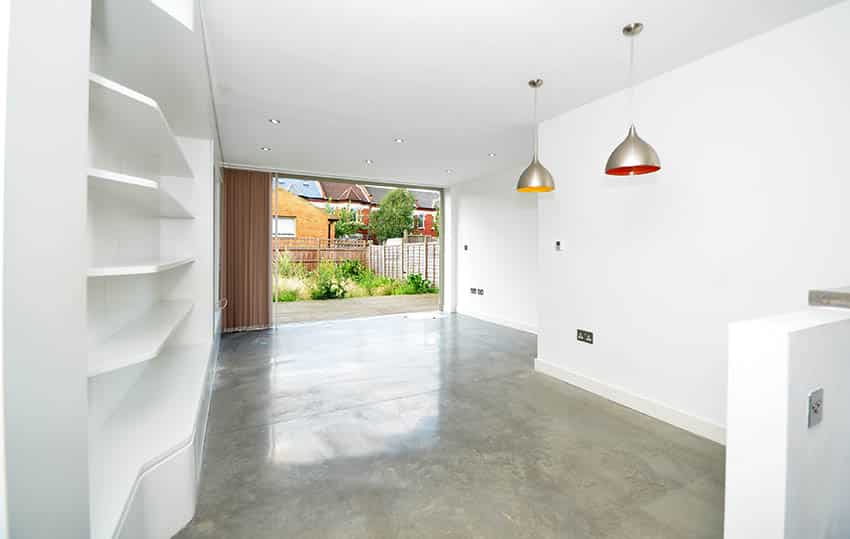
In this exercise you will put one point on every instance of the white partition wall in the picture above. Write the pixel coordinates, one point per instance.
(786, 479)
(44, 273)
(504, 264)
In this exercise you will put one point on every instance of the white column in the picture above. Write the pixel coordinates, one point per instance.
(44, 281)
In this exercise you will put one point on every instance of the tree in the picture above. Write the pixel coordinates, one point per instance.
(348, 222)
(437, 220)
(394, 216)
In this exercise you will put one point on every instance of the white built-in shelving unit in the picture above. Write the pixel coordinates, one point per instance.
(128, 130)
(149, 279)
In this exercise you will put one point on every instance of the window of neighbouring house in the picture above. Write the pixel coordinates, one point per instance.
(419, 220)
(284, 226)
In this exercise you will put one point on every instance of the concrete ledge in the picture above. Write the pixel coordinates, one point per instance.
(659, 411)
(500, 321)
(835, 297)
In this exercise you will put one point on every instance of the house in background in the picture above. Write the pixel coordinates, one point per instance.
(295, 216)
(349, 196)
(363, 199)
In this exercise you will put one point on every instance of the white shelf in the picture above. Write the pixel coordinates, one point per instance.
(140, 340)
(137, 417)
(144, 193)
(129, 132)
(144, 268)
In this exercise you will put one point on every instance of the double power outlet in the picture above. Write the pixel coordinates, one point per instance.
(582, 335)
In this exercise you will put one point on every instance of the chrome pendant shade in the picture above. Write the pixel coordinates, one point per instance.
(633, 156)
(535, 178)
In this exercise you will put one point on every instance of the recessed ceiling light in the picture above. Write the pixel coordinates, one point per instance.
(369, 161)
(398, 140)
(449, 171)
(274, 121)
(265, 148)
(491, 154)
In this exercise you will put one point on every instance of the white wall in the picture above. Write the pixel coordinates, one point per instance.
(784, 479)
(500, 227)
(4, 71)
(45, 265)
(448, 251)
(747, 214)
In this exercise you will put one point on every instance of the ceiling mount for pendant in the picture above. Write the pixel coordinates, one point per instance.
(631, 30)
(535, 178)
(633, 156)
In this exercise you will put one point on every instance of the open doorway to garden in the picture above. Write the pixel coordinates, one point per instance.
(350, 250)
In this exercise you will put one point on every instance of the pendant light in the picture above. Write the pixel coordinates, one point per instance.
(634, 155)
(535, 178)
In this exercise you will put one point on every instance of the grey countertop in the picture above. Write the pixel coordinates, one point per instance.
(831, 297)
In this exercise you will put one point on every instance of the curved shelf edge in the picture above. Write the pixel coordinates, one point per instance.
(141, 340)
(139, 269)
(146, 423)
(130, 120)
(143, 192)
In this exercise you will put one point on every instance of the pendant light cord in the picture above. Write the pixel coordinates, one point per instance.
(632, 79)
(535, 123)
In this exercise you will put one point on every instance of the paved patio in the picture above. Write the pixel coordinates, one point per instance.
(337, 309)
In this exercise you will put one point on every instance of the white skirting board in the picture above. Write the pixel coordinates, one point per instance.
(500, 321)
(659, 411)
(164, 496)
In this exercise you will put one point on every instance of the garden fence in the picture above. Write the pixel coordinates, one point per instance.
(417, 254)
(310, 252)
(399, 261)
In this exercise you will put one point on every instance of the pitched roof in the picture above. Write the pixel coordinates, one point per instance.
(425, 200)
(302, 188)
(345, 191)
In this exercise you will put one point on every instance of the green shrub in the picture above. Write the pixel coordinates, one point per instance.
(376, 285)
(287, 295)
(328, 284)
(352, 269)
(416, 284)
(287, 268)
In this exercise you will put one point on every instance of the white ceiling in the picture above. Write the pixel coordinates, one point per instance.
(345, 78)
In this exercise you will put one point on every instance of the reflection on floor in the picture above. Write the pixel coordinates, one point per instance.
(435, 427)
(339, 309)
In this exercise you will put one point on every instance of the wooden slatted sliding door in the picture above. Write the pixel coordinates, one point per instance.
(245, 250)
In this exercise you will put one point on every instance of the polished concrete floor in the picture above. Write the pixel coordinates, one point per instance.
(421, 427)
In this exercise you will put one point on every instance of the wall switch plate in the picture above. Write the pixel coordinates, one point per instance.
(480, 291)
(472, 290)
(583, 335)
(558, 245)
(815, 407)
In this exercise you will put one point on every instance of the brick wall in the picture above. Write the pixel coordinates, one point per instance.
(310, 221)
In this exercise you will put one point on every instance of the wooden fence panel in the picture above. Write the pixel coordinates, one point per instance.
(394, 261)
(310, 252)
(399, 261)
